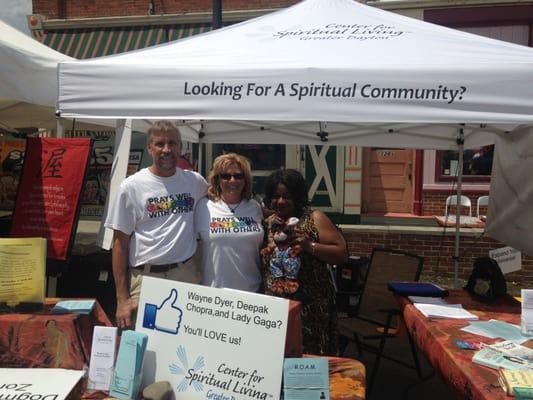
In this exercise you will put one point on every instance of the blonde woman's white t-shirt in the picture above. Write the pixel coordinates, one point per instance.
(230, 243)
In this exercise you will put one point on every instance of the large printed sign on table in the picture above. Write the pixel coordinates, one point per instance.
(38, 383)
(49, 191)
(212, 343)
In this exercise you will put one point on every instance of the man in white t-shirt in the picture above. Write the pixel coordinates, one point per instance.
(153, 225)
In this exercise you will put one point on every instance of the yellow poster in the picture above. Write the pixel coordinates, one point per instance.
(22, 270)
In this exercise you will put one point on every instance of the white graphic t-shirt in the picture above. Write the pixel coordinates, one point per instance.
(230, 244)
(158, 212)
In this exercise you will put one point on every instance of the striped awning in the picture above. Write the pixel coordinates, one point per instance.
(97, 42)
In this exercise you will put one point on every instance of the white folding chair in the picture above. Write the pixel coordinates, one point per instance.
(452, 201)
(482, 201)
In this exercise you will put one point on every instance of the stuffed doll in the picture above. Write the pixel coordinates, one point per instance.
(285, 260)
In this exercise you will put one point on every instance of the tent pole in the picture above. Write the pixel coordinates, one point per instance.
(200, 156)
(118, 173)
(217, 14)
(201, 134)
(460, 145)
(60, 130)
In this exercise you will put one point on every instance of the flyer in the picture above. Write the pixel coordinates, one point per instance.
(22, 271)
(306, 379)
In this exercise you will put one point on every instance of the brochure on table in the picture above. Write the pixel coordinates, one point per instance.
(212, 343)
(37, 383)
(306, 379)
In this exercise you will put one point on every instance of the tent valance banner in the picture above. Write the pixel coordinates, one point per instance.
(366, 73)
(49, 192)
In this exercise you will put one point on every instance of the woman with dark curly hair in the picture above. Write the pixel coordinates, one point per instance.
(300, 243)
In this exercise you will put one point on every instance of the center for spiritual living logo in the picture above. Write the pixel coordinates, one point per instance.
(182, 368)
(224, 383)
(336, 31)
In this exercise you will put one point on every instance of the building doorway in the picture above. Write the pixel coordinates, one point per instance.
(387, 180)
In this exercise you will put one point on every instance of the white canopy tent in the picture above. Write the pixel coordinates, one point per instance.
(28, 81)
(28, 84)
(375, 77)
(322, 70)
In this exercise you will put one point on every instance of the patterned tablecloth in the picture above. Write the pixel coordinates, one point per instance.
(346, 379)
(64, 341)
(436, 338)
(44, 340)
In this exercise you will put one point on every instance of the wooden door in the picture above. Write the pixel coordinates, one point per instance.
(388, 180)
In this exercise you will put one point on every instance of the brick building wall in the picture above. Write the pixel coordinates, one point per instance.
(436, 247)
(60, 9)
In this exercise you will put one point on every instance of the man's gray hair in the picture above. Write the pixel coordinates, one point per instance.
(163, 125)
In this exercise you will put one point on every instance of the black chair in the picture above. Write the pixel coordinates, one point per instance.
(377, 316)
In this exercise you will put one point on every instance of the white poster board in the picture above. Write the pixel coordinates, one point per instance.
(508, 259)
(212, 343)
(37, 383)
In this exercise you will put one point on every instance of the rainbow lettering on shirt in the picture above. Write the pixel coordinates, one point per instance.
(233, 225)
(162, 206)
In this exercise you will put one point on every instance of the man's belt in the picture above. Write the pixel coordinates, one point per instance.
(161, 267)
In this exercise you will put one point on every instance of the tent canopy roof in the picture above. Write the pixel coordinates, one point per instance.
(358, 68)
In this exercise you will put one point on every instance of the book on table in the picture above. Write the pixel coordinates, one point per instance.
(427, 300)
(496, 360)
(511, 380)
(451, 311)
(510, 348)
(424, 289)
(73, 306)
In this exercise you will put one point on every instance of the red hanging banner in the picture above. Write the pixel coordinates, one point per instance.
(49, 192)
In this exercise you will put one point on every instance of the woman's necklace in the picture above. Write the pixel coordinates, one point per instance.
(233, 207)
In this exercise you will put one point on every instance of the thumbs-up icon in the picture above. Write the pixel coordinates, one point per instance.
(166, 317)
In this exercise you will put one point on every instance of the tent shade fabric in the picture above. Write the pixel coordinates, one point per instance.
(97, 42)
(28, 84)
(28, 81)
(336, 61)
(28, 69)
(510, 216)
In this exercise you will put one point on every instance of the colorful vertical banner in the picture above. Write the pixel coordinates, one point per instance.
(49, 191)
(98, 179)
(11, 161)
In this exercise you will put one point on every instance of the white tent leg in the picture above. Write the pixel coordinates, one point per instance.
(118, 173)
(460, 145)
(200, 156)
(60, 130)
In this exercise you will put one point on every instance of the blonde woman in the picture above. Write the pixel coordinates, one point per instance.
(229, 225)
